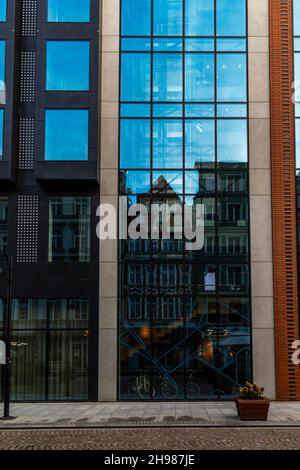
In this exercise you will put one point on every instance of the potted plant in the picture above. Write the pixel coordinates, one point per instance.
(252, 405)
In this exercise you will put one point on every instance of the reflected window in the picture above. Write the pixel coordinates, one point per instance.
(167, 17)
(135, 86)
(232, 80)
(200, 143)
(167, 77)
(199, 77)
(68, 64)
(69, 229)
(3, 224)
(136, 17)
(232, 141)
(231, 17)
(3, 5)
(135, 143)
(66, 134)
(69, 11)
(167, 144)
(200, 18)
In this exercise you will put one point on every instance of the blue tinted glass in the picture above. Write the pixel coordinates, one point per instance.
(167, 110)
(200, 110)
(232, 81)
(200, 45)
(134, 182)
(3, 10)
(232, 110)
(297, 44)
(199, 17)
(1, 132)
(135, 77)
(297, 76)
(2, 65)
(167, 144)
(69, 11)
(135, 110)
(136, 44)
(199, 77)
(297, 109)
(167, 77)
(163, 44)
(66, 134)
(136, 17)
(297, 17)
(231, 17)
(229, 45)
(167, 17)
(298, 143)
(135, 143)
(200, 142)
(232, 141)
(172, 180)
(68, 65)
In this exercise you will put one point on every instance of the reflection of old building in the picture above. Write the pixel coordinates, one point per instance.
(186, 314)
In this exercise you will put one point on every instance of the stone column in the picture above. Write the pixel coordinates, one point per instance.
(108, 334)
(260, 197)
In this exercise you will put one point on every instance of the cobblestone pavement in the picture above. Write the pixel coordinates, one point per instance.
(153, 439)
(120, 414)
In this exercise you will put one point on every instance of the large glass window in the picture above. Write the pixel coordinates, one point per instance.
(49, 349)
(200, 77)
(200, 17)
(66, 134)
(68, 64)
(135, 143)
(184, 323)
(167, 17)
(3, 10)
(69, 229)
(167, 77)
(232, 78)
(136, 19)
(3, 224)
(231, 18)
(136, 87)
(68, 11)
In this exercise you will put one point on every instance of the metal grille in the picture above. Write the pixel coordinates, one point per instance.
(26, 144)
(27, 229)
(29, 17)
(28, 67)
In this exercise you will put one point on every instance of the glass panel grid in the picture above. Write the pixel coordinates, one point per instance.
(193, 148)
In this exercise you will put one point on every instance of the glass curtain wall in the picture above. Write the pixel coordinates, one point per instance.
(49, 348)
(184, 316)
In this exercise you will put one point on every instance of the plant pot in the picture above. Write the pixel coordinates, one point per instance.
(253, 409)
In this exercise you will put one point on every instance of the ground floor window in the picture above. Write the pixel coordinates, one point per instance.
(49, 349)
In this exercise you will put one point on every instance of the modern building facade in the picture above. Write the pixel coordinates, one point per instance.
(162, 101)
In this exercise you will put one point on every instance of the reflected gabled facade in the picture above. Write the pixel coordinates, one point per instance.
(184, 316)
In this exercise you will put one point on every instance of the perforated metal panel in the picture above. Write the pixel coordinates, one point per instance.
(28, 67)
(27, 228)
(29, 17)
(26, 144)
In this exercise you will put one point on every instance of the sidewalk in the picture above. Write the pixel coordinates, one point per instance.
(120, 414)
